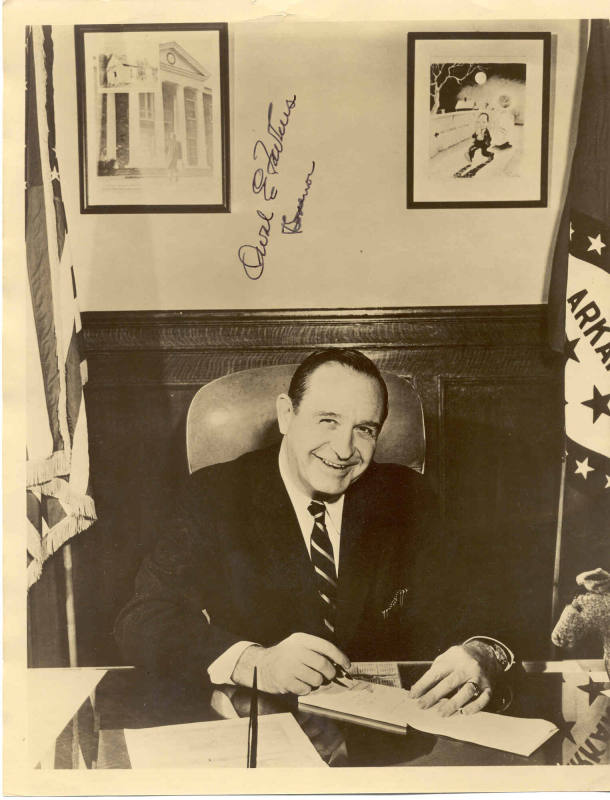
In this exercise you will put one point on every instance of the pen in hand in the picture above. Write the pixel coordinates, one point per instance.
(341, 673)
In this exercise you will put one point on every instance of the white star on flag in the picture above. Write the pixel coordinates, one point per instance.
(571, 231)
(596, 244)
(54, 174)
(583, 468)
(607, 486)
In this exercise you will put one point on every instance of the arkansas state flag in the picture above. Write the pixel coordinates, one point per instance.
(579, 306)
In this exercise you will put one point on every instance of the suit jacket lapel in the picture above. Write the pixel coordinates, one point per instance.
(279, 537)
(355, 562)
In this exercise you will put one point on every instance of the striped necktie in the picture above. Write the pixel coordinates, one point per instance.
(324, 564)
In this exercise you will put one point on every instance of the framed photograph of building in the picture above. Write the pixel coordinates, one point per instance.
(153, 116)
(477, 119)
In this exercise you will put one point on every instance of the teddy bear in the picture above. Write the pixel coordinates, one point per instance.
(588, 613)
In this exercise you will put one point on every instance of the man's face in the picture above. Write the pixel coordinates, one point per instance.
(330, 439)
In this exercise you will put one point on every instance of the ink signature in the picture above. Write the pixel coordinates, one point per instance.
(252, 257)
(272, 153)
(294, 225)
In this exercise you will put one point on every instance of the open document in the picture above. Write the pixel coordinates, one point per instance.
(222, 743)
(394, 709)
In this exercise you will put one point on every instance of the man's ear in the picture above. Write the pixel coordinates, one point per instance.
(284, 409)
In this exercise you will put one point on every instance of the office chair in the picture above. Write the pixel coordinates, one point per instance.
(235, 414)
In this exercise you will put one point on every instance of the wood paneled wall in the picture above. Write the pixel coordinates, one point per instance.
(492, 401)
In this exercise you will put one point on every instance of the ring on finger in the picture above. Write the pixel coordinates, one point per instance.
(476, 689)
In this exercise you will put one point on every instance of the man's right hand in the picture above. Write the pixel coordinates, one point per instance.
(297, 664)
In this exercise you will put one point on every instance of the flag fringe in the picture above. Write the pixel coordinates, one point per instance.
(34, 572)
(40, 472)
(63, 531)
(74, 503)
(58, 536)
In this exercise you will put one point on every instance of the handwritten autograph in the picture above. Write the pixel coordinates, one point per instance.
(295, 224)
(252, 257)
(273, 153)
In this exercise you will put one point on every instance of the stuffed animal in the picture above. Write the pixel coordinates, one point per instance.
(588, 613)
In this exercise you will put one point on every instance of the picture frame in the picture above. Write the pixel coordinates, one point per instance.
(477, 119)
(153, 118)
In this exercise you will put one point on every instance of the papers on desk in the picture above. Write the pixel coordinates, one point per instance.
(54, 696)
(222, 743)
(394, 709)
(384, 672)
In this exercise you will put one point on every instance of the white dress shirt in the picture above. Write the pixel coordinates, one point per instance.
(221, 669)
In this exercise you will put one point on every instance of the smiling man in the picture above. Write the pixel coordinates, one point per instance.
(301, 559)
(330, 420)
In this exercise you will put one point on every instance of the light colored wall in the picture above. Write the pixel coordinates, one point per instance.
(360, 245)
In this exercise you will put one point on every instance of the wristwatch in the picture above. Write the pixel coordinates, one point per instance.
(504, 655)
(503, 694)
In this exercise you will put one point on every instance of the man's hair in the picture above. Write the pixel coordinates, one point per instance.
(347, 357)
(484, 114)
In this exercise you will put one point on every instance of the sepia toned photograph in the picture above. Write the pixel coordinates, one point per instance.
(309, 497)
(153, 109)
(483, 140)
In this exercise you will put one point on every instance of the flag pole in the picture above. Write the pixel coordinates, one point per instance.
(70, 610)
(72, 651)
(558, 539)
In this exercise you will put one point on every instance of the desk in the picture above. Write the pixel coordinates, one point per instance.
(566, 693)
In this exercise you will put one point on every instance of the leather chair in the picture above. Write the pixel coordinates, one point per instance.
(235, 414)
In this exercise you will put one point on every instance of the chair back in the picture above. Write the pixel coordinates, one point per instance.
(235, 414)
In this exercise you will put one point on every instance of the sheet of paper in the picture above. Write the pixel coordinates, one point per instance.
(512, 734)
(363, 699)
(222, 743)
(388, 704)
(54, 696)
(382, 672)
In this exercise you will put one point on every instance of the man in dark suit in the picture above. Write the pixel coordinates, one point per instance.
(299, 558)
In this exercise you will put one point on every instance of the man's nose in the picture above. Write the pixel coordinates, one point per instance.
(343, 443)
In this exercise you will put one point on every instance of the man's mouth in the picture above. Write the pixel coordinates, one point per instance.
(334, 465)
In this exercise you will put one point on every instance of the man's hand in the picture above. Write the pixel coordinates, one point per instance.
(297, 664)
(467, 673)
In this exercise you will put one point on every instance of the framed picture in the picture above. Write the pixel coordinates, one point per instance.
(478, 119)
(153, 116)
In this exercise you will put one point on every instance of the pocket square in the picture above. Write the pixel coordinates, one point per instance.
(400, 595)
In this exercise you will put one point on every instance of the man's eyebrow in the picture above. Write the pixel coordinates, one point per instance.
(365, 422)
(371, 423)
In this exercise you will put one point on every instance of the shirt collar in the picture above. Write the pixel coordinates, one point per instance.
(300, 500)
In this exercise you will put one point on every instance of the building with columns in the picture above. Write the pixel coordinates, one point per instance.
(140, 105)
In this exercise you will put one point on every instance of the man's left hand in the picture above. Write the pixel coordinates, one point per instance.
(460, 679)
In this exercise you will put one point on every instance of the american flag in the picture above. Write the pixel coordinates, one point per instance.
(59, 503)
